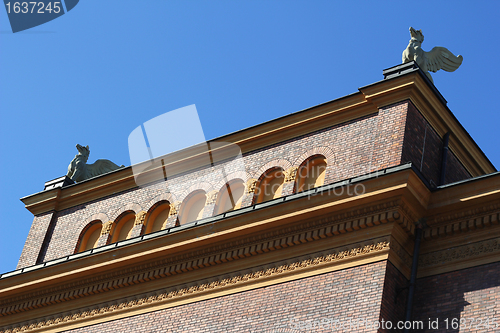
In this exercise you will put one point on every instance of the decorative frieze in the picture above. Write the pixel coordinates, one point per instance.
(459, 253)
(401, 252)
(465, 221)
(236, 279)
(292, 235)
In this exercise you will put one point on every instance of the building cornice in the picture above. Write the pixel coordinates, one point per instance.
(291, 240)
(303, 227)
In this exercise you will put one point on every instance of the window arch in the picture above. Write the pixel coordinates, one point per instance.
(311, 173)
(90, 236)
(192, 207)
(158, 217)
(122, 227)
(270, 185)
(230, 196)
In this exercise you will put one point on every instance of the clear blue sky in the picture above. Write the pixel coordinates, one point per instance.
(93, 75)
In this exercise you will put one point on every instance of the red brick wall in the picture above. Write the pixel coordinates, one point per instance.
(470, 294)
(353, 293)
(455, 170)
(422, 140)
(393, 136)
(394, 297)
(34, 242)
(354, 148)
(423, 147)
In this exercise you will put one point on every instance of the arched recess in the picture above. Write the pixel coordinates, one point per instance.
(311, 173)
(192, 207)
(230, 196)
(122, 227)
(89, 236)
(130, 207)
(277, 163)
(269, 185)
(157, 217)
(151, 204)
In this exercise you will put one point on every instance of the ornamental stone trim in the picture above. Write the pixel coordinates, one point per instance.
(468, 221)
(273, 240)
(166, 295)
(174, 208)
(459, 253)
(140, 217)
(290, 174)
(250, 185)
(211, 198)
(106, 228)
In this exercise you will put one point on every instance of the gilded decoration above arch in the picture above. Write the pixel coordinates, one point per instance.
(291, 174)
(250, 185)
(174, 208)
(140, 218)
(106, 228)
(211, 198)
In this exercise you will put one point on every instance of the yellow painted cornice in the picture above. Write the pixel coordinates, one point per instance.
(320, 234)
(467, 195)
(391, 187)
(337, 230)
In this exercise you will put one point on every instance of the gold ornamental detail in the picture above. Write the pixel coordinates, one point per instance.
(169, 294)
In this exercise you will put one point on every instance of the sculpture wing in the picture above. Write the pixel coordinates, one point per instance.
(100, 167)
(440, 58)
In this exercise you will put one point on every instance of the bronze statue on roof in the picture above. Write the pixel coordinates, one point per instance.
(79, 170)
(438, 58)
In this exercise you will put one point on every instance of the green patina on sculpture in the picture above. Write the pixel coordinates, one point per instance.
(438, 58)
(79, 170)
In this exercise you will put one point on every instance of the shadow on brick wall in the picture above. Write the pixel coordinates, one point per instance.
(467, 297)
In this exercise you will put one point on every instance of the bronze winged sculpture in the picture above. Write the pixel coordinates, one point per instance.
(438, 58)
(79, 170)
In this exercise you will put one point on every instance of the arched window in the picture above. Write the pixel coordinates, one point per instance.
(90, 236)
(270, 185)
(230, 196)
(122, 227)
(311, 173)
(157, 218)
(192, 207)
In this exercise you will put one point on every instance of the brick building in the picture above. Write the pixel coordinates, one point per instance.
(339, 208)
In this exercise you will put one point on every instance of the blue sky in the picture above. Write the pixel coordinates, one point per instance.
(94, 74)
